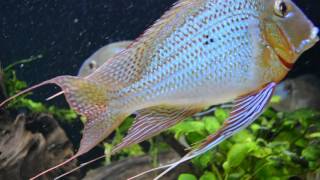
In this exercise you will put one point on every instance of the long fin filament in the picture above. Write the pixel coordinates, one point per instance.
(55, 95)
(55, 167)
(51, 81)
(80, 166)
(151, 170)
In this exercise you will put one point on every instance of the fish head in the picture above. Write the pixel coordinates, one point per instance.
(287, 30)
(101, 56)
(89, 66)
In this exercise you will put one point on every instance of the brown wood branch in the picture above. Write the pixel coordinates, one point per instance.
(24, 153)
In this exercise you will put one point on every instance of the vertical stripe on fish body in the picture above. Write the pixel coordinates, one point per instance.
(208, 57)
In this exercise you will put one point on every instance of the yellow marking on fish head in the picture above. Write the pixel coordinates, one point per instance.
(287, 30)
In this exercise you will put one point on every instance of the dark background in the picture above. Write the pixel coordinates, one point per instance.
(66, 32)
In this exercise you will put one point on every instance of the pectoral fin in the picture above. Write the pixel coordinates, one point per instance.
(245, 111)
(152, 121)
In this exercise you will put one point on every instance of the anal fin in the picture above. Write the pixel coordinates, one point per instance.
(148, 123)
(151, 121)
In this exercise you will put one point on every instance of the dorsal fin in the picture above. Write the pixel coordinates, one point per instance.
(128, 66)
(152, 121)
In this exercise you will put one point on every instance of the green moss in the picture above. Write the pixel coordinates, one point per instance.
(12, 85)
(277, 146)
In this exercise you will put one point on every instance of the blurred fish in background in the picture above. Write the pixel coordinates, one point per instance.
(298, 93)
(101, 56)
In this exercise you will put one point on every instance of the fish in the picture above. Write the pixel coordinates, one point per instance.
(198, 54)
(101, 56)
(298, 93)
(294, 93)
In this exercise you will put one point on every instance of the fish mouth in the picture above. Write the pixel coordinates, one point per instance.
(308, 43)
(305, 44)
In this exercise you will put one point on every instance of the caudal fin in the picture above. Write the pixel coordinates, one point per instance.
(89, 99)
(84, 96)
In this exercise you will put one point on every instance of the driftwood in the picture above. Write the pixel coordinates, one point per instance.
(31, 144)
(130, 167)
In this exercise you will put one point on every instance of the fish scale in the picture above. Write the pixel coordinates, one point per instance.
(179, 66)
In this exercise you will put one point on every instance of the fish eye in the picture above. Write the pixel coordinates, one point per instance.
(92, 65)
(281, 8)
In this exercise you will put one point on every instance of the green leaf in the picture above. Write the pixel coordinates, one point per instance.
(124, 127)
(237, 154)
(314, 135)
(242, 136)
(107, 152)
(187, 127)
(303, 114)
(237, 174)
(255, 127)
(279, 146)
(269, 113)
(311, 153)
(221, 114)
(203, 160)
(211, 124)
(275, 99)
(33, 106)
(133, 150)
(246, 177)
(186, 176)
(226, 166)
(301, 143)
(261, 152)
(194, 137)
(286, 136)
(208, 176)
(22, 61)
